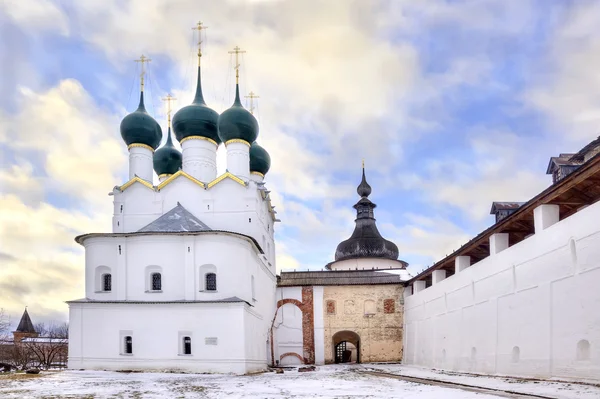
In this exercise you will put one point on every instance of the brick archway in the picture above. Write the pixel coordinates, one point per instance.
(294, 354)
(308, 325)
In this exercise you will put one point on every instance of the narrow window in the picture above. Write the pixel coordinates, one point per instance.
(253, 291)
(583, 350)
(107, 282)
(156, 282)
(128, 345)
(121, 208)
(249, 220)
(187, 346)
(211, 282)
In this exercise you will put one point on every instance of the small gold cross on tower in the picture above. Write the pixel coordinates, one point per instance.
(199, 27)
(252, 96)
(143, 59)
(168, 99)
(237, 51)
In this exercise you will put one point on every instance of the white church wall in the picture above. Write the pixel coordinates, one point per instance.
(180, 260)
(226, 206)
(287, 328)
(96, 332)
(529, 310)
(365, 264)
(319, 325)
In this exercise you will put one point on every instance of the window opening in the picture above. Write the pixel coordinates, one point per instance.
(156, 282)
(211, 282)
(107, 282)
(187, 346)
(128, 344)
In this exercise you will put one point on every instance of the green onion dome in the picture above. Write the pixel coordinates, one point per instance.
(236, 123)
(167, 159)
(140, 128)
(197, 119)
(260, 161)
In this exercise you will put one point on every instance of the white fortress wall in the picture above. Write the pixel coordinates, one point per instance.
(532, 309)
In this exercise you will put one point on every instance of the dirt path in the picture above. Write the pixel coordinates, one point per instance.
(471, 388)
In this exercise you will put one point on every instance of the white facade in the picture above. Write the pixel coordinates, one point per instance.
(149, 304)
(530, 309)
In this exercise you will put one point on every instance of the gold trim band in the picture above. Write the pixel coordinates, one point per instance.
(237, 141)
(176, 175)
(136, 180)
(139, 145)
(224, 176)
(258, 174)
(183, 140)
(164, 175)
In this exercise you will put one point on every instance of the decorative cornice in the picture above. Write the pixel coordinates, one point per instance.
(183, 140)
(136, 179)
(225, 176)
(237, 141)
(139, 145)
(176, 175)
(258, 174)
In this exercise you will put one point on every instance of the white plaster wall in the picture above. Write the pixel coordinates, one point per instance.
(319, 323)
(96, 331)
(287, 328)
(540, 296)
(226, 206)
(179, 259)
(365, 264)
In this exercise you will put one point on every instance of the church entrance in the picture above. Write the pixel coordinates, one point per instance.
(346, 347)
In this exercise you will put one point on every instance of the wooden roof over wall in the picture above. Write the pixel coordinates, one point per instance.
(578, 189)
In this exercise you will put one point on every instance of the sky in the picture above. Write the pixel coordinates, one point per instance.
(452, 104)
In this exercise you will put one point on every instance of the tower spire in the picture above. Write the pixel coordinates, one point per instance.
(143, 60)
(251, 96)
(237, 51)
(199, 27)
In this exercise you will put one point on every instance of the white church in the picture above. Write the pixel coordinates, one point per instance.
(186, 280)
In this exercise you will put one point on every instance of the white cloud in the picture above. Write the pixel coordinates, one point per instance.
(38, 15)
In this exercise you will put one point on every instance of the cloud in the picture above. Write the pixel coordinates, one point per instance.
(42, 15)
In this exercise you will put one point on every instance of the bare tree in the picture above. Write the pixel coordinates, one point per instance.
(4, 325)
(50, 348)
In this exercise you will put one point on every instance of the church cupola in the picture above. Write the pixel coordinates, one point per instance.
(366, 241)
(260, 162)
(196, 128)
(238, 128)
(142, 134)
(167, 159)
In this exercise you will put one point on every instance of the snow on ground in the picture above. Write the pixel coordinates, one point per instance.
(326, 382)
(554, 389)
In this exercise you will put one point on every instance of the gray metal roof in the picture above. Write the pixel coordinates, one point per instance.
(337, 277)
(177, 219)
(25, 325)
(499, 206)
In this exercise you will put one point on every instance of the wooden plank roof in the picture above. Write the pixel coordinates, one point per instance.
(578, 189)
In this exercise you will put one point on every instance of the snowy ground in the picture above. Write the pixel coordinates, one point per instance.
(553, 389)
(326, 382)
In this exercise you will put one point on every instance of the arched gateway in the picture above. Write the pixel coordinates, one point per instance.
(343, 341)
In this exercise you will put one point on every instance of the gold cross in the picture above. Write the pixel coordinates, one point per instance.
(251, 96)
(237, 51)
(168, 99)
(143, 59)
(199, 27)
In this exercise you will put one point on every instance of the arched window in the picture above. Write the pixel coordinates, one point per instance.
(107, 282)
(187, 345)
(128, 344)
(211, 281)
(583, 350)
(156, 280)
